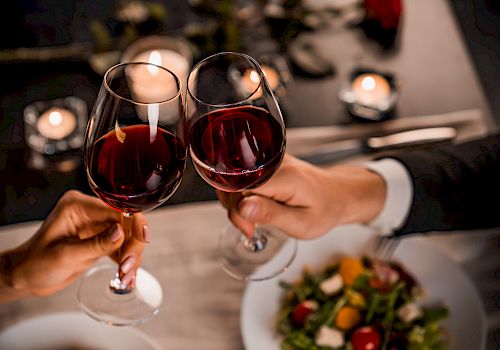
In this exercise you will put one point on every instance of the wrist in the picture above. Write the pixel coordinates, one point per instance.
(363, 193)
(398, 197)
(374, 194)
(10, 286)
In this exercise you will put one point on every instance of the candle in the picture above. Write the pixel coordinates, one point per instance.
(152, 85)
(167, 58)
(172, 53)
(56, 123)
(148, 83)
(251, 79)
(371, 89)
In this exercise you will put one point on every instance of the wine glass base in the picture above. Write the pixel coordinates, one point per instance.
(242, 263)
(99, 301)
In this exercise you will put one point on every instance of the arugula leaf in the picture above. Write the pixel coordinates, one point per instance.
(428, 337)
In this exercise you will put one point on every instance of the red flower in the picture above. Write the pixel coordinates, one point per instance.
(386, 12)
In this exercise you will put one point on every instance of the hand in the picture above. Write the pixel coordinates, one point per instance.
(306, 201)
(78, 231)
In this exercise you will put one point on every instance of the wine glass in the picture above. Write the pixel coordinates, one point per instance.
(237, 141)
(135, 155)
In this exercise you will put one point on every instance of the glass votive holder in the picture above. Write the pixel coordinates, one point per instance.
(370, 94)
(65, 163)
(55, 126)
(277, 72)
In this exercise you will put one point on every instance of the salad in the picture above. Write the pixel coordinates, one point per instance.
(358, 304)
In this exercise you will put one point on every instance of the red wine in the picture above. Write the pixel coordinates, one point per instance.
(234, 149)
(137, 172)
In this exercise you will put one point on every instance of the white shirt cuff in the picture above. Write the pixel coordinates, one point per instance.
(399, 195)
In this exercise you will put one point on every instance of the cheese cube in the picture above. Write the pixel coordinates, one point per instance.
(332, 285)
(409, 312)
(331, 337)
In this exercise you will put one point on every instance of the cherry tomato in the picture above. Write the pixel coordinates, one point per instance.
(302, 311)
(366, 338)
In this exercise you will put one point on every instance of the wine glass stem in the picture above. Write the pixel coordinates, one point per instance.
(257, 242)
(115, 284)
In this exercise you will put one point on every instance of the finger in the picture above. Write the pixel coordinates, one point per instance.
(82, 209)
(282, 186)
(91, 229)
(245, 226)
(262, 210)
(223, 198)
(132, 248)
(140, 228)
(229, 199)
(93, 248)
(130, 257)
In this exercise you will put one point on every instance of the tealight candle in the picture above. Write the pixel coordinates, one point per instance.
(172, 53)
(148, 83)
(251, 79)
(56, 123)
(371, 89)
(152, 85)
(169, 59)
(56, 126)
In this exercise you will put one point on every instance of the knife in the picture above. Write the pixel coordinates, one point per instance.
(335, 151)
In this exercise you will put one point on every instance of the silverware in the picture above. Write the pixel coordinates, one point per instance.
(335, 151)
(385, 246)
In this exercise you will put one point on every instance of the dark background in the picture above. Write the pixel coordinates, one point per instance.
(480, 24)
(27, 194)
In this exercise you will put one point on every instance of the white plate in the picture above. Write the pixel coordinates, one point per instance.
(72, 330)
(442, 279)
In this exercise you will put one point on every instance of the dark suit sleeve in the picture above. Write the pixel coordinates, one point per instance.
(455, 187)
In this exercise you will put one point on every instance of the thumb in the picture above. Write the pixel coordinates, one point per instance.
(263, 210)
(100, 245)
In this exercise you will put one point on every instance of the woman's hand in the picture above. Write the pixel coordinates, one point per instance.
(306, 201)
(78, 231)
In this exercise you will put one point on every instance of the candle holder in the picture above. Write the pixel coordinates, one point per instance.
(64, 163)
(56, 126)
(277, 72)
(369, 94)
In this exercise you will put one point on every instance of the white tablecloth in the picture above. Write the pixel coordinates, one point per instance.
(201, 305)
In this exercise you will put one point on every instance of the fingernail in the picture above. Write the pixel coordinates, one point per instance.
(248, 210)
(116, 233)
(128, 277)
(146, 234)
(128, 264)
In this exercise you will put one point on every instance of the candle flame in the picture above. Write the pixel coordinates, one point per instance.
(55, 118)
(254, 77)
(368, 84)
(154, 58)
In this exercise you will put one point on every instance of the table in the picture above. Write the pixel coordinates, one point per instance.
(437, 73)
(201, 307)
(432, 61)
(201, 304)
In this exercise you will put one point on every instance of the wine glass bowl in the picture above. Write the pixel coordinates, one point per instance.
(134, 159)
(237, 135)
(135, 154)
(237, 148)
(237, 141)
(136, 175)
